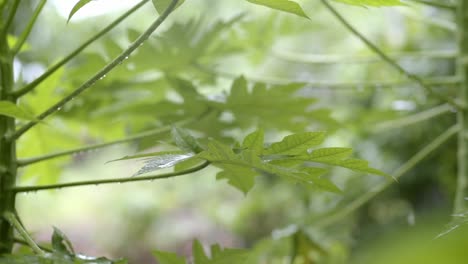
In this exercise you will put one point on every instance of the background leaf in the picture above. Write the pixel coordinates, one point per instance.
(282, 5)
(77, 7)
(162, 5)
(8, 108)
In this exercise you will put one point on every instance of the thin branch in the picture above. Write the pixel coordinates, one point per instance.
(387, 59)
(407, 166)
(434, 4)
(58, 186)
(29, 27)
(29, 87)
(102, 73)
(299, 57)
(11, 16)
(154, 132)
(444, 80)
(413, 119)
(24, 242)
(11, 218)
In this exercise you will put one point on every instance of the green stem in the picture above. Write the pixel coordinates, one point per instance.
(389, 60)
(150, 133)
(412, 119)
(435, 4)
(24, 242)
(11, 16)
(29, 27)
(407, 166)
(460, 204)
(8, 166)
(11, 218)
(32, 85)
(299, 57)
(108, 181)
(102, 73)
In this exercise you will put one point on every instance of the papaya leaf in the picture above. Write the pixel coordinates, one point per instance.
(296, 144)
(242, 178)
(353, 164)
(77, 7)
(282, 5)
(168, 258)
(10, 109)
(185, 141)
(329, 154)
(61, 243)
(162, 5)
(254, 141)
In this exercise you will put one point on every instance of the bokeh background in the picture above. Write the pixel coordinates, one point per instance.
(275, 219)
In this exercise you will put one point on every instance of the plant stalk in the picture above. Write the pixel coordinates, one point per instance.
(8, 167)
(460, 203)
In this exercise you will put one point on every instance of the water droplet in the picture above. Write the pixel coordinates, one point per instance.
(126, 58)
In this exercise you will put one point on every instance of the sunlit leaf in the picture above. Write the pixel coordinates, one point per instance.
(77, 7)
(254, 141)
(282, 5)
(296, 144)
(185, 141)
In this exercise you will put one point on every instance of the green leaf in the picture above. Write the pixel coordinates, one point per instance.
(254, 141)
(296, 144)
(162, 5)
(187, 164)
(61, 243)
(168, 258)
(282, 5)
(355, 165)
(329, 154)
(242, 178)
(185, 141)
(199, 255)
(10, 109)
(77, 7)
(372, 2)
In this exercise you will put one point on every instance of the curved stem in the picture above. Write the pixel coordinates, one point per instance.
(389, 60)
(108, 181)
(11, 16)
(102, 73)
(11, 218)
(407, 166)
(28, 28)
(29, 87)
(24, 242)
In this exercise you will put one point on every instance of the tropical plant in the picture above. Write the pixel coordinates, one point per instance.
(164, 89)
